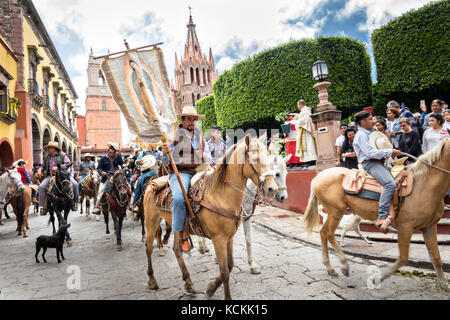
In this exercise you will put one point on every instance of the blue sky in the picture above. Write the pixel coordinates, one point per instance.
(234, 29)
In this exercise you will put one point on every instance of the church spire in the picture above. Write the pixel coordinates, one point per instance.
(192, 44)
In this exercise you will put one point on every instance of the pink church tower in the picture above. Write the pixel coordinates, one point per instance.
(195, 74)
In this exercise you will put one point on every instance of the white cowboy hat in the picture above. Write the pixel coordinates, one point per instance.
(16, 164)
(114, 145)
(53, 144)
(87, 155)
(189, 111)
(147, 162)
(380, 141)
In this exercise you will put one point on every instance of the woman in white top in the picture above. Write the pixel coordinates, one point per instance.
(433, 135)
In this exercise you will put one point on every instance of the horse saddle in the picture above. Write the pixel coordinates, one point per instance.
(358, 181)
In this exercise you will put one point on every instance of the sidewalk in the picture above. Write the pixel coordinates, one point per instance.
(288, 224)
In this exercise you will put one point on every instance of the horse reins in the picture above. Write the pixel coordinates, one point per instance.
(428, 164)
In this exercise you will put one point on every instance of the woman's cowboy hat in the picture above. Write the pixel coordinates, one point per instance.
(147, 162)
(53, 144)
(380, 141)
(16, 164)
(113, 145)
(189, 111)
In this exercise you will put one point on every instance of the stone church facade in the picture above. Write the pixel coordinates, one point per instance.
(194, 73)
(102, 119)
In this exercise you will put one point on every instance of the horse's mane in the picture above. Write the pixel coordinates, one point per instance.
(419, 168)
(216, 179)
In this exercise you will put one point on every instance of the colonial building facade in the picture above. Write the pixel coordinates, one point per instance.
(101, 124)
(43, 86)
(195, 74)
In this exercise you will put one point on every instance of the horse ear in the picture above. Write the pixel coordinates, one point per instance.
(287, 158)
(263, 138)
(247, 140)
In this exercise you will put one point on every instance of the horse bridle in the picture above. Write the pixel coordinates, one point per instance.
(69, 195)
(120, 202)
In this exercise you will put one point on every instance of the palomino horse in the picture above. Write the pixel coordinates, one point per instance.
(278, 166)
(421, 210)
(117, 200)
(89, 190)
(224, 189)
(59, 198)
(9, 178)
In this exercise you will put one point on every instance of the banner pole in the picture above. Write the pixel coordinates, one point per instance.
(175, 169)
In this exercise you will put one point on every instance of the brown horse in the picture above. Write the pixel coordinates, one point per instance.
(224, 189)
(21, 202)
(88, 191)
(116, 201)
(421, 210)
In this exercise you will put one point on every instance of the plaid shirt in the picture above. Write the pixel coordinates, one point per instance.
(217, 149)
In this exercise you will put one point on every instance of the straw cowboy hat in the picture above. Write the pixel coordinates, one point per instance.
(113, 145)
(87, 155)
(189, 111)
(16, 164)
(53, 144)
(148, 162)
(380, 141)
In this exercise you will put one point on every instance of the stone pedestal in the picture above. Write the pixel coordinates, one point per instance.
(324, 104)
(327, 125)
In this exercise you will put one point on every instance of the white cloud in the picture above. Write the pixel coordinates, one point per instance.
(378, 12)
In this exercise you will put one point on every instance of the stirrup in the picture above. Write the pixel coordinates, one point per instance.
(190, 244)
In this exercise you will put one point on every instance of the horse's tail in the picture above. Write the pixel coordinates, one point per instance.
(311, 218)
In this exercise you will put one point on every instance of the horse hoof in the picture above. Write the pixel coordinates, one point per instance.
(190, 288)
(345, 271)
(332, 272)
(153, 285)
(25, 236)
(69, 243)
(119, 247)
(211, 290)
(255, 271)
(108, 236)
(161, 253)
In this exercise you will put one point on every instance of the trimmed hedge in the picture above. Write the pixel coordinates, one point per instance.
(257, 89)
(412, 55)
(206, 106)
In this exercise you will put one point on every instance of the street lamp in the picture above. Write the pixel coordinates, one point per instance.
(320, 70)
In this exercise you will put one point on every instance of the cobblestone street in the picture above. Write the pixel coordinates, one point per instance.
(289, 269)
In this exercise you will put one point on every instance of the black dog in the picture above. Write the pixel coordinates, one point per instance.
(55, 241)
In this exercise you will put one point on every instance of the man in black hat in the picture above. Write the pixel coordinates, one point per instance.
(216, 144)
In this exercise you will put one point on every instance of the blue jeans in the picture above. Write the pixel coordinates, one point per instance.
(178, 202)
(140, 185)
(79, 182)
(384, 177)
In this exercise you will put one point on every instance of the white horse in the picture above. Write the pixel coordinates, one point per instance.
(9, 178)
(91, 180)
(278, 165)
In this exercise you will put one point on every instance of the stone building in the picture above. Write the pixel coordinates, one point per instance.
(42, 85)
(194, 74)
(101, 124)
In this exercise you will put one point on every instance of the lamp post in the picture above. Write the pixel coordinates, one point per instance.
(320, 73)
(326, 119)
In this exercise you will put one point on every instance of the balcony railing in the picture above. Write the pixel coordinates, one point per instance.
(35, 93)
(33, 87)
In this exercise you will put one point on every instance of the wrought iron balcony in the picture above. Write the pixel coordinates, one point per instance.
(34, 90)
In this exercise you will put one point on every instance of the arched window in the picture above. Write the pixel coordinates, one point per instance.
(193, 100)
(198, 76)
(198, 96)
(104, 105)
(204, 77)
(209, 76)
(192, 75)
